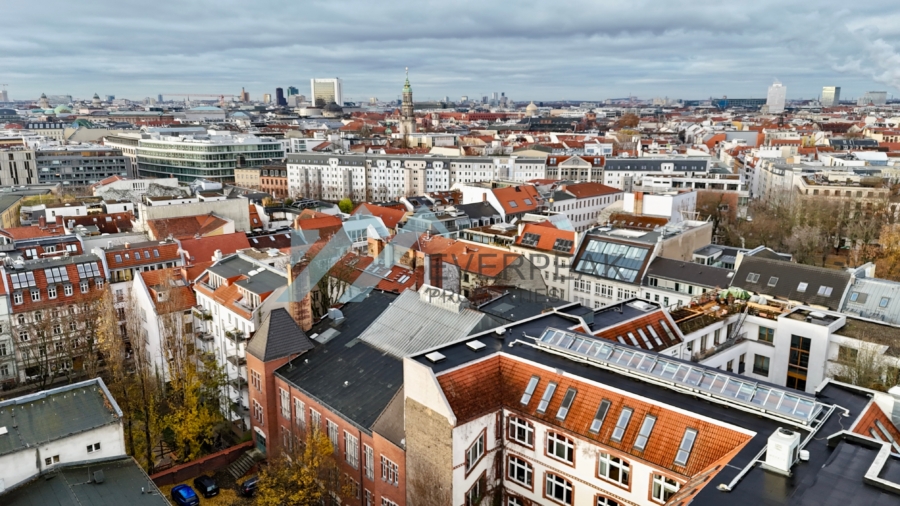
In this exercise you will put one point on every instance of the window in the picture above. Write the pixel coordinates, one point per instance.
(621, 425)
(514, 501)
(798, 362)
(520, 471)
(299, 412)
(663, 488)
(389, 471)
(760, 365)
(255, 380)
(684, 449)
(35, 295)
(475, 452)
(884, 302)
(545, 399)
(566, 404)
(802, 287)
(475, 494)
(387, 502)
(99, 283)
(51, 460)
(369, 498)
(646, 428)
(773, 281)
(315, 417)
(17, 298)
(614, 469)
(560, 447)
(84, 286)
(67, 289)
(93, 448)
(258, 411)
(332, 434)
(285, 403)
(558, 489)
(766, 335)
(369, 462)
(51, 292)
(529, 390)
(752, 277)
(824, 291)
(520, 431)
(605, 501)
(351, 449)
(23, 335)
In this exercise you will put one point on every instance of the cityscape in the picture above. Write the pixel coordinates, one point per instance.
(336, 291)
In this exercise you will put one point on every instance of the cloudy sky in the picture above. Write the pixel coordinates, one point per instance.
(540, 50)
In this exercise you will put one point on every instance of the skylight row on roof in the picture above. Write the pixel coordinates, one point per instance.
(712, 381)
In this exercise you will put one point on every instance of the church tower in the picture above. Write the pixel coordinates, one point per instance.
(407, 114)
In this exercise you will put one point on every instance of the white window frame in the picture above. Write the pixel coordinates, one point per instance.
(369, 462)
(299, 412)
(514, 463)
(605, 464)
(351, 449)
(332, 429)
(558, 483)
(557, 441)
(475, 451)
(517, 426)
(67, 290)
(285, 403)
(389, 471)
(661, 489)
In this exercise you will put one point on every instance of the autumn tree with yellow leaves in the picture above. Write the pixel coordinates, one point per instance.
(303, 475)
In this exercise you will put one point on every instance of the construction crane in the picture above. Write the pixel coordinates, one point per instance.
(221, 96)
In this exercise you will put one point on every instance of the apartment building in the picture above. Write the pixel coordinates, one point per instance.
(626, 173)
(549, 250)
(50, 311)
(575, 168)
(17, 166)
(543, 412)
(233, 297)
(79, 165)
(583, 202)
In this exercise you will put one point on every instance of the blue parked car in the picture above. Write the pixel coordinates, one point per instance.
(184, 495)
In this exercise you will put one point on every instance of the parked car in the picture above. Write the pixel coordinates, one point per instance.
(206, 486)
(184, 495)
(248, 488)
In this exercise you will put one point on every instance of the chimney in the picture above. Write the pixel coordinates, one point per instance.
(127, 245)
(484, 197)
(639, 203)
(217, 255)
(895, 412)
(42, 222)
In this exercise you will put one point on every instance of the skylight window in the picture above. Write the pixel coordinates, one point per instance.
(622, 424)
(646, 428)
(564, 245)
(854, 296)
(545, 399)
(513, 203)
(529, 390)
(530, 239)
(802, 287)
(600, 416)
(566, 404)
(773, 281)
(884, 302)
(824, 291)
(527, 201)
(752, 277)
(684, 449)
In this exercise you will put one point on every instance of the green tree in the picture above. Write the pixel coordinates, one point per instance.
(345, 205)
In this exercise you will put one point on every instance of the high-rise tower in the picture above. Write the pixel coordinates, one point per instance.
(407, 112)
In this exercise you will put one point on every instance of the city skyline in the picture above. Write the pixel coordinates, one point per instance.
(693, 52)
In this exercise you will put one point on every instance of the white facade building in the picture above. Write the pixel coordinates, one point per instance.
(775, 98)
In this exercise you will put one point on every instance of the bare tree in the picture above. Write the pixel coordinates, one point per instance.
(865, 366)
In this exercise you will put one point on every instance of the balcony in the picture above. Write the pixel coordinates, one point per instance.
(704, 354)
(235, 335)
(204, 336)
(202, 314)
(238, 383)
(236, 360)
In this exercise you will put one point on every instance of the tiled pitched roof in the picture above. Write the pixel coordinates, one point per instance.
(314, 220)
(634, 331)
(203, 248)
(145, 253)
(392, 281)
(112, 223)
(548, 238)
(18, 233)
(866, 425)
(278, 336)
(478, 259)
(185, 227)
(182, 294)
(390, 217)
(70, 264)
(521, 196)
(587, 190)
(486, 385)
(820, 286)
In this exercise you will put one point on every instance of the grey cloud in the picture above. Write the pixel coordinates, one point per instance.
(539, 50)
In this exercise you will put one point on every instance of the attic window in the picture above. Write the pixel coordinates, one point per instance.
(684, 449)
(566, 404)
(118, 259)
(137, 255)
(563, 245)
(600, 416)
(646, 428)
(156, 253)
(752, 277)
(773, 281)
(527, 201)
(824, 291)
(884, 302)
(854, 296)
(512, 203)
(802, 287)
(530, 239)
(529, 390)
(622, 425)
(545, 399)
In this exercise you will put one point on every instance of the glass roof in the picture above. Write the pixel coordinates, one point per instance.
(786, 403)
(611, 260)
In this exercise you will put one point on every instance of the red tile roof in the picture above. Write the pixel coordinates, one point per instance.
(145, 253)
(392, 283)
(40, 283)
(203, 248)
(18, 233)
(547, 237)
(112, 223)
(866, 422)
(185, 227)
(485, 386)
(588, 190)
(255, 221)
(390, 217)
(180, 298)
(627, 332)
(521, 195)
(479, 259)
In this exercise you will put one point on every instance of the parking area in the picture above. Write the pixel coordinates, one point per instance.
(228, 495)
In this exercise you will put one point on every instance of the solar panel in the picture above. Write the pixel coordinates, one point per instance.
(530, 239)
(789, 404)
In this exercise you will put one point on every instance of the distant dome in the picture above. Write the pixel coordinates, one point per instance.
(43, 95)
(61, 109)
(531, 108)
(97, 96)
(49, 111)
